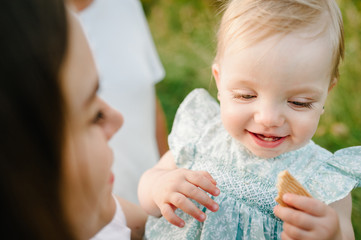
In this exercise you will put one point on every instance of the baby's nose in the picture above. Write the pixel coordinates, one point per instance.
(269, 116)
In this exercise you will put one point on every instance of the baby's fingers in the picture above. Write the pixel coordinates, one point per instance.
(169, 214)
(207, 175)
(182, 202)
(204, 181)
(199, 196)
(311, 206)
(292, 232)
(294, 217)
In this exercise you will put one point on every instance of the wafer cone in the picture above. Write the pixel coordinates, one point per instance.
(286, 183)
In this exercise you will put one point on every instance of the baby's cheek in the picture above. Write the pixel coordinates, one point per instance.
(232, 124)
(306, 129)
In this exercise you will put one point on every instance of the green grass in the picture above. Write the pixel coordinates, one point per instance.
(184, 33)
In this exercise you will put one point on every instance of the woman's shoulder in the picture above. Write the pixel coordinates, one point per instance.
(117, 228)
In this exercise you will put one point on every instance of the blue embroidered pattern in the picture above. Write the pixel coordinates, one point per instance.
(198, 141)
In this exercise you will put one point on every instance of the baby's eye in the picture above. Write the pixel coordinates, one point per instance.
(244, 96)
(99, 116)
(247, 96)
(301, 104)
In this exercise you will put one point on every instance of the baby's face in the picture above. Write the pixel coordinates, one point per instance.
(272, 93)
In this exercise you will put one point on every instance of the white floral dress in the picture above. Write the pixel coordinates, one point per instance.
(199, 142)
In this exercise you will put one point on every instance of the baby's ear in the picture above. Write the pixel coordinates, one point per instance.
(332, 84)
(215, 72)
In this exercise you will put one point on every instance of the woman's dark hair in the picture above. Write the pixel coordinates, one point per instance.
(33, 44)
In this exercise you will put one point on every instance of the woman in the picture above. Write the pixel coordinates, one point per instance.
(56, 178)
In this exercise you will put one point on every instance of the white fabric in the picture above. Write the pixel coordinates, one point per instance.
(129, 67)
(117, 229)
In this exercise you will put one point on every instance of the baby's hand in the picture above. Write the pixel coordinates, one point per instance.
(308, 218)
(174, 188)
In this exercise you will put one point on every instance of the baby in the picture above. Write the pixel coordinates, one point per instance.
(275, 65)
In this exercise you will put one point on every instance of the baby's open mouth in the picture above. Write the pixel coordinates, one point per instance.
(267, 138)
(267, 141)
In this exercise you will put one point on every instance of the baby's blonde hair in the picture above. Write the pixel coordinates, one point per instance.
(255, 20)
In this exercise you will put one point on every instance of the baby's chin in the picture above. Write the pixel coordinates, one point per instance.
(272, 153)
(266, 154)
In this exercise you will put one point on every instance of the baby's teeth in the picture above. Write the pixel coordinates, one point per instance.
(268, 139)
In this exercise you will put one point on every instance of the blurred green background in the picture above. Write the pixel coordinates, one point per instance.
(184, 34)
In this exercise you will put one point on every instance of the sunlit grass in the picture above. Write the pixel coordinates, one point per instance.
(184, 33)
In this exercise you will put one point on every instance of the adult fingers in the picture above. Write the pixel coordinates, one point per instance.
(311, 206)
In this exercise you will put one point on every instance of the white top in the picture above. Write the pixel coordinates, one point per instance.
(117, 229)
(129, 67)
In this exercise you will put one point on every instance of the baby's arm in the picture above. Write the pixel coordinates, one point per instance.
(164, 188)
(344, 209)
(310, 218)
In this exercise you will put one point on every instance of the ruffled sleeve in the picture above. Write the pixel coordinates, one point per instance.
(348, 162)
(335, 178)
(191, 119)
